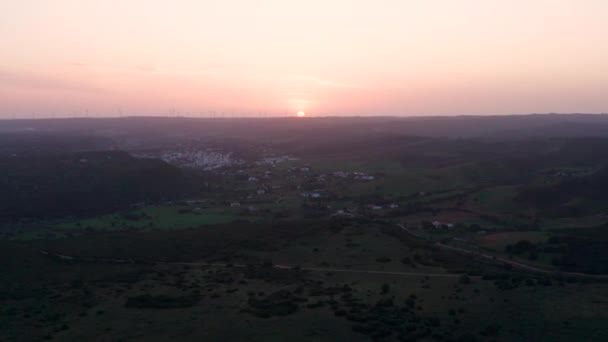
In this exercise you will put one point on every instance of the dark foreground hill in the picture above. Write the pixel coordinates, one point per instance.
(83, 183)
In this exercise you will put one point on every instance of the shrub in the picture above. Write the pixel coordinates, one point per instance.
(465, 279)
(490, 330)
(162, 301)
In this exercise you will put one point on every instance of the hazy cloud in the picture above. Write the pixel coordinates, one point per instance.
(324, 82)
(47, 82)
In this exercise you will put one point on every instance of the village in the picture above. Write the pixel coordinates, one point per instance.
(207, 159)
(282, 185)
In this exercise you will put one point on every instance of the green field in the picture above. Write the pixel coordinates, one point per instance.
(80, 299)
(157, 217)
(498, 241)
(396, 179)
(498, 199)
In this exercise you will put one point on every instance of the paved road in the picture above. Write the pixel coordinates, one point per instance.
(322, 269)
(277, 266)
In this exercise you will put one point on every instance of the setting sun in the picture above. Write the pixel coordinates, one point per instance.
(301, 114)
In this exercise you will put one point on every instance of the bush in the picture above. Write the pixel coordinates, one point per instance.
(383, 259)
(280, 303)
(162, 301)
(522, 246)
(490, 330)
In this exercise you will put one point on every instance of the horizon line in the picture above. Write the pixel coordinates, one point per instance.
(228, 117)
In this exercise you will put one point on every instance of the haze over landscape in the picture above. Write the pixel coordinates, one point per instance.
(255, 171)
(272, 57)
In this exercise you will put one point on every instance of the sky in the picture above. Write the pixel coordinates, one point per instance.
(323, 57)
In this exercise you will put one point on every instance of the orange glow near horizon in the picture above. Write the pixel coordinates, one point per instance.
(301, 114)
(274, 57)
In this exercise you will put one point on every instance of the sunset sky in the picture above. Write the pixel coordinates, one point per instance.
(323, 57)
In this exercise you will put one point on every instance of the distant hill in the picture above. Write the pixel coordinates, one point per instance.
(294, 129)
(571, 197)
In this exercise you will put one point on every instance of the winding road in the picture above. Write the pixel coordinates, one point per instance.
(498, 260)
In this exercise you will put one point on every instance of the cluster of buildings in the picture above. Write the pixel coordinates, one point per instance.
(274, 160)
(206, 159)
(354, 175)
(200, 159)
(302, 169)
(380, 207)
(314, 194)
(442, 225)
(358, 176)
